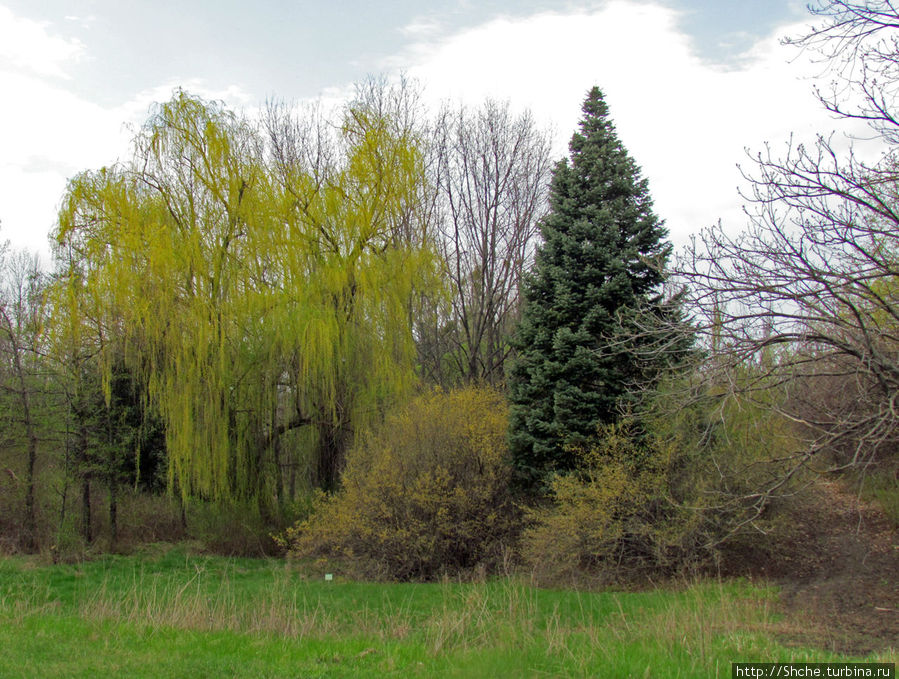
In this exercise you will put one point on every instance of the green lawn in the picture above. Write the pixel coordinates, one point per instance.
(176, 615)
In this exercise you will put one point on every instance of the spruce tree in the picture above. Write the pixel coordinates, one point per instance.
(601, 244)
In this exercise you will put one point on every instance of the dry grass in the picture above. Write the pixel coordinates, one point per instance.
(506, 616)
(506, 627)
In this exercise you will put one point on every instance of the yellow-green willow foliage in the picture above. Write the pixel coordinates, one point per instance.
(256, 292)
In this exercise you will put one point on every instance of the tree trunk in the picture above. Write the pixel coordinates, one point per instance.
(112, 482)
(86, 528)
(30, 512)
(330, 456)
(30, 538)
(276, 459)
(113, 514)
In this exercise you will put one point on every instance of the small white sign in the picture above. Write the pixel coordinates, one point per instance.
(329, 577)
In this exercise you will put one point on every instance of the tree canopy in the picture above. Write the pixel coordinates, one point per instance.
(806, 297)
(252, 292)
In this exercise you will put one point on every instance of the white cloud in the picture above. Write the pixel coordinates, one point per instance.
(135, 111)
(51, 135)
(85, 22)
(48, 134)
(687, 122)
(28, 45)
(421, 28)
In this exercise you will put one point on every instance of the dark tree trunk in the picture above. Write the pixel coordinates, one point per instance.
(331, 444)
(86, 528)
(113, 514)
(30, 512)
(30, 538)
(112, 482)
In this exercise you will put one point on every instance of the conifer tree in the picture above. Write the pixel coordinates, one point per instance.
(602, 245)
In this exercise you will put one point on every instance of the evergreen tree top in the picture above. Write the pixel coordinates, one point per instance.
(596, 116)
(601, 182)
(597, 142)
(595, 122)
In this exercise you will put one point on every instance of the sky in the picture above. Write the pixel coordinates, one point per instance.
(692, 85)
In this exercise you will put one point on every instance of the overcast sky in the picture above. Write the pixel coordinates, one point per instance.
(690, 83)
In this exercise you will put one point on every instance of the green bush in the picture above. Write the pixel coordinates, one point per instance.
(880, 483)
(425, 495)
(232, 529)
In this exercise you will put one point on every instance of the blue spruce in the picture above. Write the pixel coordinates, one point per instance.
(601, 257)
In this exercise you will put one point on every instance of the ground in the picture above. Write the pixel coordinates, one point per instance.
(840, 579)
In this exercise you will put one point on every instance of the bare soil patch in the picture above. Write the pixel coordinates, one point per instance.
(838, 569)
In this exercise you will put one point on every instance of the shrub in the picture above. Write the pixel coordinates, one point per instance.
(425, 495)
(697, 476)
(883, 486)
(612, 519)
(231, 528)
(738, 465)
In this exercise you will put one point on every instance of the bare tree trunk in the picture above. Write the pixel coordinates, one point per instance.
(331, 449)
(276, 460)
(86, 524)
(30, 513)
(86, 527)
(113, 512)
(16, 305)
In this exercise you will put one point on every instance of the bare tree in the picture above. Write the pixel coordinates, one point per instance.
(490, 170)
(805, 302)
(858, 42)
(22, 318)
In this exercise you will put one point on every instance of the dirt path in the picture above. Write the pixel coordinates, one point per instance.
(840, 578)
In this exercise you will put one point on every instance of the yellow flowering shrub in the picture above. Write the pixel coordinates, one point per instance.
(424, 495)
(613, 519)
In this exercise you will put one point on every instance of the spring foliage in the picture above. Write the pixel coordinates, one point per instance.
(426, 495)
(251, 296)
(668, 489)
(613, 518)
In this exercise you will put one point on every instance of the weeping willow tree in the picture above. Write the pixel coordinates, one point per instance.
(253, 293)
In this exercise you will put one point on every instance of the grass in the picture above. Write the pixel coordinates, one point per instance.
(171, 614)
